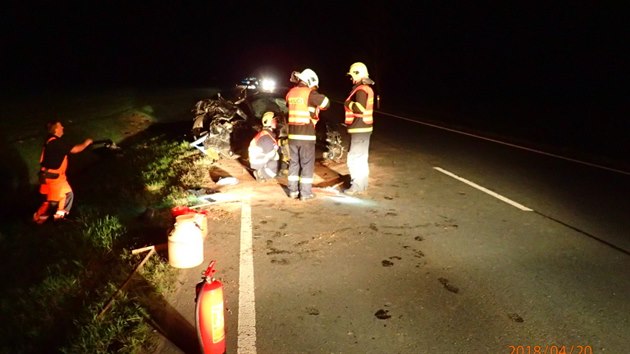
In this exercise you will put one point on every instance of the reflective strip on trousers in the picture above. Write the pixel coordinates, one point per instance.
(302, 137)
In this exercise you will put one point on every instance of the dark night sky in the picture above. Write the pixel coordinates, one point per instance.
(469, 55)
(444, 46)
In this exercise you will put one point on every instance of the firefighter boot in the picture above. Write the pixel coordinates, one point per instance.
(307, 197)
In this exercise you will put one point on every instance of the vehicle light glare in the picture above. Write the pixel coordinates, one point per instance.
(268, 85)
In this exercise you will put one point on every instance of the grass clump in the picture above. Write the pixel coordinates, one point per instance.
(123, 330)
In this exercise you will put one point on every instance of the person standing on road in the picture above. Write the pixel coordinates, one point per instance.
(263, 150)
(304, 104)
(358, 109)
(54, 186)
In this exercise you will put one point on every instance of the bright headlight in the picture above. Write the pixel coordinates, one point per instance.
(268, 85)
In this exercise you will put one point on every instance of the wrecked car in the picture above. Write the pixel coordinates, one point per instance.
(223, 127)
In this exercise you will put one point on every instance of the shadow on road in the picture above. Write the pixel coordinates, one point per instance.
(165, 318)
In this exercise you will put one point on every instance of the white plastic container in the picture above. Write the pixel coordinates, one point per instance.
(200, 219)
(185, 243)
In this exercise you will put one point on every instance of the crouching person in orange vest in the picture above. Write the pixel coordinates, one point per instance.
(263, 150)
(54, 185)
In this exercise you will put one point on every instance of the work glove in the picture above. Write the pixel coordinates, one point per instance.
(294, 79)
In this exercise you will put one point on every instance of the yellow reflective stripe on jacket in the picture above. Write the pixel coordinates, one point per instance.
(301, 137)
(358, 105)
(360, 130)
(300, 119)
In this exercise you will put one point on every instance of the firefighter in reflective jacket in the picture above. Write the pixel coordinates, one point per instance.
(359, 119)
(304, 104)
(263, 150)
(54, 185)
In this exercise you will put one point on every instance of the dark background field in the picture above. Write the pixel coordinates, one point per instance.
(547, 73)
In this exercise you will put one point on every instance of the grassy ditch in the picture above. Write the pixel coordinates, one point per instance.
(59, 277)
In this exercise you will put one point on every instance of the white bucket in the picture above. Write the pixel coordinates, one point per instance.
(185, 243)
(199, 219)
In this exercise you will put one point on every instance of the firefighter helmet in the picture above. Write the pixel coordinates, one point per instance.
(358, 71)
(309, 77)
(269, 120)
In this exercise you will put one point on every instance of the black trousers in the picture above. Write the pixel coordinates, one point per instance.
(301, 166)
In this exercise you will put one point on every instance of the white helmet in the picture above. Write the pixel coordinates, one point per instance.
(309, 77)
(269, 120)
(358, 71)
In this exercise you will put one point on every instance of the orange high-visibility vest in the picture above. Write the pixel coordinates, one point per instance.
(55, 188)
(361, 122)
(297, 99)
(260, 135)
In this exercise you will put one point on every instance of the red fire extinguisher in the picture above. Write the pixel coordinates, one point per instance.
(209, 313)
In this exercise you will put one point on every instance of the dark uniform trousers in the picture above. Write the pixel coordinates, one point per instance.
(301, 166)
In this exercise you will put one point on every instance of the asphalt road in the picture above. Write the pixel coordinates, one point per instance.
(461, 245)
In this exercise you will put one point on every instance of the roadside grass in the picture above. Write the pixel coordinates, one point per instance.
(59, 277)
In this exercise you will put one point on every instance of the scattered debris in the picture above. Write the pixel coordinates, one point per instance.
(515, 317)
(282, 261)
(382, 314)
(273, 251)
(312, 311)
(418, 253)
(201, 191)
(387, 263)
(227, 181)
(448, 286)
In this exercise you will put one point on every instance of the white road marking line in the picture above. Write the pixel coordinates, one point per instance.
(246, 341)
(485, 190)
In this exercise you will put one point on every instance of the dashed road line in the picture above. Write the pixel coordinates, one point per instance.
(485, 190)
